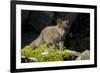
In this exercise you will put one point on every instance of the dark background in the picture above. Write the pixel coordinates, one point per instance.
(78, 38)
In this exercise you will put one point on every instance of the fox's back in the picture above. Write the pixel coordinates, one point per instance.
(51, 33)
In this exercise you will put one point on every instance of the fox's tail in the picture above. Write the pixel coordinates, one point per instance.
(36, 43)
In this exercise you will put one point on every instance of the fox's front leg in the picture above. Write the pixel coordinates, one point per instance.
(61, 45)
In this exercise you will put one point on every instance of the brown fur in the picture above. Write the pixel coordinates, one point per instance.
(53, 35)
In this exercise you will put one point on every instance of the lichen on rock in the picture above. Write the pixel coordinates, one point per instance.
(45, 54)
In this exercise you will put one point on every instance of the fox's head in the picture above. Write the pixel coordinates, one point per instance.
(63, 23)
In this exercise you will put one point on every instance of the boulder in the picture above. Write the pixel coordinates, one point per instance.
(84, 56)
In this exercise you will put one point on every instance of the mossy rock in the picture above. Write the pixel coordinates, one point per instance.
(45, 54)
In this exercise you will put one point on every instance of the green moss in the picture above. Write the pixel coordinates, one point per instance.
(45, 54)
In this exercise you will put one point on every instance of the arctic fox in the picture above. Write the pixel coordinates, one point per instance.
(53, 35)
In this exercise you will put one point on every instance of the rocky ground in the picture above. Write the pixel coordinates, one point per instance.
(45, 54)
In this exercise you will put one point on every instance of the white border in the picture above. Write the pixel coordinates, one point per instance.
(20, 65)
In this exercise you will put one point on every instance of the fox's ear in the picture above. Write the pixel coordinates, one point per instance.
(59, 21)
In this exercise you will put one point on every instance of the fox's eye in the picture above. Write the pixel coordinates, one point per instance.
(67, 22)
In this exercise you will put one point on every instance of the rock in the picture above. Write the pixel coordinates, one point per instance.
(74, 52)
(84, 56)
(32, 60)
(27, 60)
